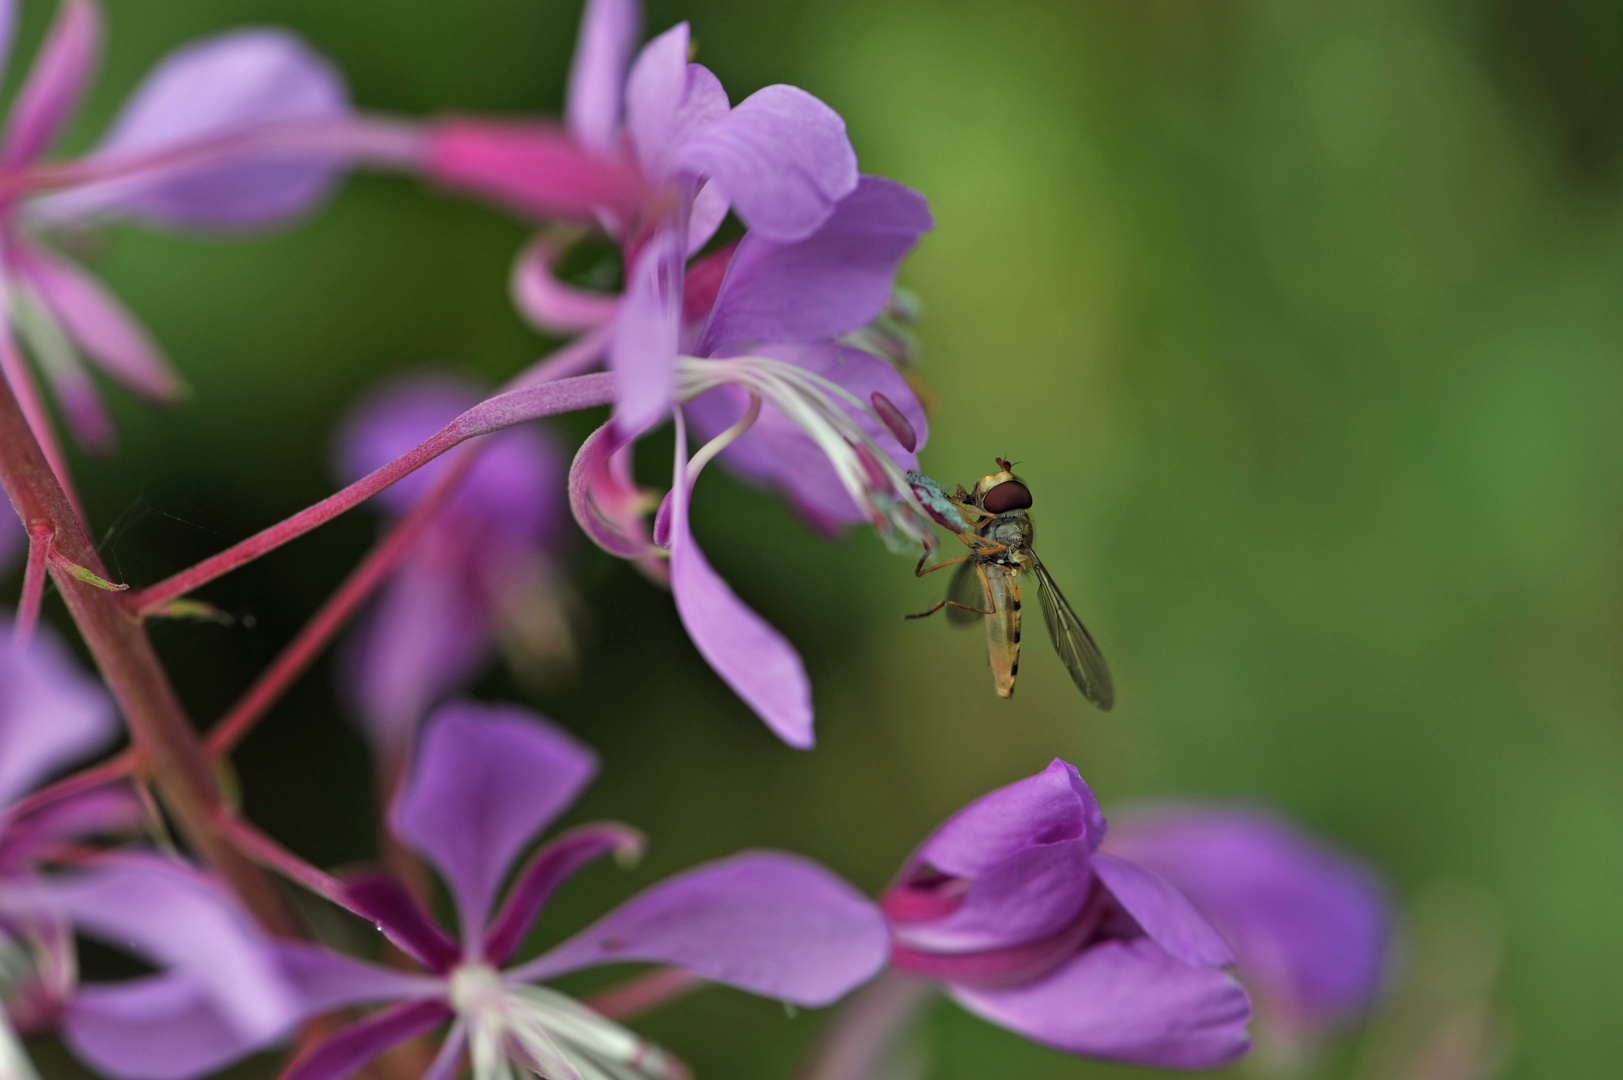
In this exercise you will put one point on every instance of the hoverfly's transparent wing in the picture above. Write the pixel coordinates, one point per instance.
(966, 589)
(1073, 642)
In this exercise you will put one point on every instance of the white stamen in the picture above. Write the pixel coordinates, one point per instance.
(707, 453)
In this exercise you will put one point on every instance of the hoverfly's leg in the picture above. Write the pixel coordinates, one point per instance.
(951, 604)
(920, 571)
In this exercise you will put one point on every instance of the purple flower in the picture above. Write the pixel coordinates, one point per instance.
(485, 782)
(482, 572)
(1013, 909)
(1310, 927)
(174, 157)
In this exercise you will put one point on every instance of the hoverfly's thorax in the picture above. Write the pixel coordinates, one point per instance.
(1014, 531)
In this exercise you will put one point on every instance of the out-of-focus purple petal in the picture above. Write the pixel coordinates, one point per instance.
(753, 658)
(538, 169)
(55, 82)
(782, 157)
(51, 715)
(710, 206)
(111, 809)
(8, 31)
(608, 32)
(181, 919)
(606, 504)
(100, 325)
(165, 1027)
(1164, 913)
(1011, 868)
(324, 980)
(1126, 1001)
(216, 89)
(1309, 926)
(826, 284)
(346, 1051)
(385, 901)
(775, 452)
(669, 102)
(70, 382)
(429, 633)
(551, 305)
(485, 781)
(547, 870)
(642, 353)
(769, 923)
(516, 488)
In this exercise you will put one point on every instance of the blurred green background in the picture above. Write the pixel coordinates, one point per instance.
(1304, 321)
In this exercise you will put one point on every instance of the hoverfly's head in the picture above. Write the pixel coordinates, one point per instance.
(1002, 491)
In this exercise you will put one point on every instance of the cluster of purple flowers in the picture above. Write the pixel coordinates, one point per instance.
(1146, 945)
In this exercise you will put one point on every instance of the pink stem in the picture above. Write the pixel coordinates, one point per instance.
(638, 995)
(331, 617)
(866, 1029)
(273, 856)
(40, 535)
(22, 385)
(493, 414)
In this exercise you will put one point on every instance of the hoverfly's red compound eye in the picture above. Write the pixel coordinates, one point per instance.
(1009, 495)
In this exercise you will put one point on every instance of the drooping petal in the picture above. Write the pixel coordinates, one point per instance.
(669, 103)
(768, 923)
(1126, 1001)
(100, 324)
(1164, 913)
(165, 1027)
(606, 504)
(51, 715)
(782, 157)
(550, 867)
(642, 353)
(1012, 867)
(551, 305)
(55, 82)
(777, 452)
(179, 918)
(753, 658)
(347, 1050)
(486, 780)
(608, 32)
(213, 91)
(826, 284)
(1310, 926)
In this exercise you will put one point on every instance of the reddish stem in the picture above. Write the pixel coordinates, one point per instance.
(15, 371)
(273, 856)
(636, 996)
(40, 535)
(494, 414)
(158, 725)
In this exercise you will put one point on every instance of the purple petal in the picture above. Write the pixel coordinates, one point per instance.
(669, 102)
(8, 30)
(485, 782)
(608, 32)
(61, 68)
(166, 1027)
(1126, 1001)
(51, 715)
(752, 657)
(211, 90)
(781, 156)
(829, 283)
(1164, 913)
(606, 504)
(1310, 927)
(431, 632)
(775, 452)
(772, 924)
(551, 305)
(1011, 868)
(181, 919)
(100, 325)
(324, 980)
(346, 1051)
(111, 809)
(392, 908)
(550, 867)
(710, 206)
(642, 353)
(537, 169)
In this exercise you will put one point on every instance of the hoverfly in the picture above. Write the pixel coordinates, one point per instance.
(987, 582)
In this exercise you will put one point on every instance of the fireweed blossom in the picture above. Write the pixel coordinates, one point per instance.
(483, 573)
(205, 142)
(1012, 908)
(1310, 927)
(486, 780)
